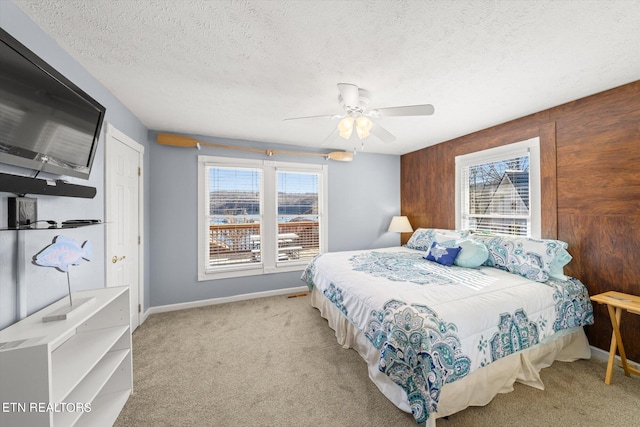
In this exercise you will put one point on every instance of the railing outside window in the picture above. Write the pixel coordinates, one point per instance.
(240, 243)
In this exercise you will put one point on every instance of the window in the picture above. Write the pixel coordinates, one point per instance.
(259, 217)
(234, 214)
(498, 190)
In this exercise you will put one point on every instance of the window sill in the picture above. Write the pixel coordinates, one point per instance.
(248, 272)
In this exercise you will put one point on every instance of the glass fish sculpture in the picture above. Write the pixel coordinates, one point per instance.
(64, 252)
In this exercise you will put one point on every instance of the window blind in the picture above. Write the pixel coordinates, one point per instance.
(298, 215)
(496, 196)
(235, 215)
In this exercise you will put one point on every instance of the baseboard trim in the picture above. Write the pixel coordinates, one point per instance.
(144, 316)
(223, 300)
(601, 354)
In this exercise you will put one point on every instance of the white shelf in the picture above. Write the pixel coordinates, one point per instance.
(91, 385)
(56, 333)
(84, 359)
(79, 355)
(104, 410)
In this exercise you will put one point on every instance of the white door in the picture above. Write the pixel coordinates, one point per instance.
(123, 206)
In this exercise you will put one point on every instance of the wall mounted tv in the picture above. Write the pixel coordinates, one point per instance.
(46, 122)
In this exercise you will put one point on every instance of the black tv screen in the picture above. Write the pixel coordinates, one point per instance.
(46, 122)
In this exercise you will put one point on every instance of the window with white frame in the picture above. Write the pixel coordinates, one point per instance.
(259, 216)
(498, 190)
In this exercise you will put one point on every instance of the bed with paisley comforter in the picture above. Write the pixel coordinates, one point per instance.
(438, 338)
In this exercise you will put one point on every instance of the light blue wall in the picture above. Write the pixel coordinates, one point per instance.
(363, 196)
(46, 285)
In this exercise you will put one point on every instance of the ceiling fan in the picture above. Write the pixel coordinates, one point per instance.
(358, 116)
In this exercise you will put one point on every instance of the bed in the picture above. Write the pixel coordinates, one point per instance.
(440, 335)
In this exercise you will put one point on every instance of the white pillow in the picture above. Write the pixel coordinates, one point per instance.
(423, 238)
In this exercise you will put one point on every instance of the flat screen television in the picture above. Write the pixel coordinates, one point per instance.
(47, 123)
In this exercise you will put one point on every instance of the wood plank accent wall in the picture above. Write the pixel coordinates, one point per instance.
(590, 171)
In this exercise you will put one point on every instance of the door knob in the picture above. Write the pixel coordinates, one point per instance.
(116, 259)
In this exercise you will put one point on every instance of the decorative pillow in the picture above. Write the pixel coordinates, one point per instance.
(473, 254)
(530, 258)
(442, 254)
(423, 238)
(557, 265)
(447, 239)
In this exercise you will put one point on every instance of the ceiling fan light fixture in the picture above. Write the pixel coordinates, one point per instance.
(363, 126)
(355, 103)
(362, 134)
(346, 134)
(363, 122)
(345, 127)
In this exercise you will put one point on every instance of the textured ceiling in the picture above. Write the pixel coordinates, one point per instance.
(236, 69)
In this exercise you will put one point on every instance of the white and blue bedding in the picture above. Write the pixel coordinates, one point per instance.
(434, 324)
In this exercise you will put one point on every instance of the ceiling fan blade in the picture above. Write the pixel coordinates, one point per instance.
(329, 138)
(334, 116)
(350, 94)
(381, 133)
(407, 110)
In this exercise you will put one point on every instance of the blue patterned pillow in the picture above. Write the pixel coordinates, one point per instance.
(472, 255)
(442, 254)
(530, 258)
(423, 238)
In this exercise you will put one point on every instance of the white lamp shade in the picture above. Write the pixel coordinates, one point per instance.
(400, 224)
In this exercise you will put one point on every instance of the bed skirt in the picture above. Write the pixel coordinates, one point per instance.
(476, 389)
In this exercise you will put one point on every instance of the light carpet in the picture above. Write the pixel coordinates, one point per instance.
(275, 362)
